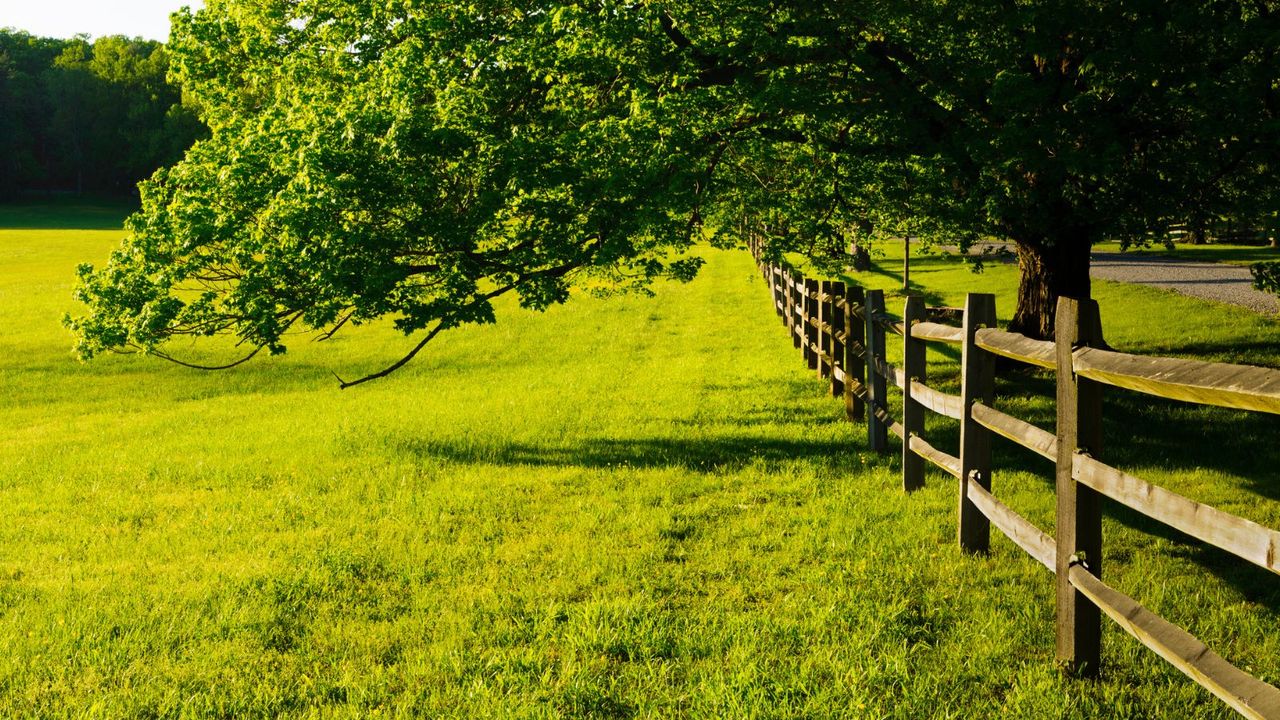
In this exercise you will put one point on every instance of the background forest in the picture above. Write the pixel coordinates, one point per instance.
(87, 117)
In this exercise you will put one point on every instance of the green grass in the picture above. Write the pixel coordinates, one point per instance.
(1209, 252)
(624, 508)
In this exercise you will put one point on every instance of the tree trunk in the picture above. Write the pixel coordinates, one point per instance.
(906, 265)
(1048, 273)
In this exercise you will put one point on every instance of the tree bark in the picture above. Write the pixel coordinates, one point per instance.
(906, 264)
(1048, 272)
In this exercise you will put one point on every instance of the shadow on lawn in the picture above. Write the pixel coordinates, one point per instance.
(1264, 353)
(893, 298)
(713, 454)
(66, 214)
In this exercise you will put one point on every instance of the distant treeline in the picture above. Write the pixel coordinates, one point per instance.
(86, 117)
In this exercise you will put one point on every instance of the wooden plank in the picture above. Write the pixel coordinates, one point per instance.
(1246, 694)
(819, 325)
(1079, 508)
(889, 322)
(877, 392)
(915, 370)
(1246, 539)
(922, 449)
(977, 384)
(942, 403)
(850, 303)
(1042, 442)
(1017, 347)
(857, 387)
(1234, 386)
(889, 372)
(1030, 538)
(890, 424)
(937, 332)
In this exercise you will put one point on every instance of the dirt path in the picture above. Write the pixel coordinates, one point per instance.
(1210, 281)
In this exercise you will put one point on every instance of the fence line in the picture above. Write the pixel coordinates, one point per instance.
(842, 332)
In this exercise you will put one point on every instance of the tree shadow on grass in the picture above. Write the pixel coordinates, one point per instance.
(1263, 353)
(66, 214)
(710, 454)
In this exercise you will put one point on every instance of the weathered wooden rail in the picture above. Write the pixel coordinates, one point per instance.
(842, 332)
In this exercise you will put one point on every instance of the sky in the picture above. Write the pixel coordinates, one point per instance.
(64, 18)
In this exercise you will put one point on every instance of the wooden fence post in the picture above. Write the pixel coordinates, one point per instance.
(977, 384)
(797, 310)
(855, 365)
(779, 294)
(810, 332)
(914, 368)
(1079, 525)
(877, 432)
(838, 312)
(824, 329)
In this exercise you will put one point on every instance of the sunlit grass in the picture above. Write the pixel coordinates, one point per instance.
(624, 508)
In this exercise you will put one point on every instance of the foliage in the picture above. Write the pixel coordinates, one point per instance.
(420, 159)
(1266, 276)
(80, 116)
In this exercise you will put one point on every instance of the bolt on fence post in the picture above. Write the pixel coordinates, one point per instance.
(855, 365)
(913, 369)
(810, 332)
(977, 384)
(1079, 511)
(877, 432)
(838, 311)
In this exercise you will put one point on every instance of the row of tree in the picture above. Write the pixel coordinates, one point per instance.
(418, 159)
(87, 117)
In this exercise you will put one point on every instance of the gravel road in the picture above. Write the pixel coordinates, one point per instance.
(1211, 281)
(1220, 282)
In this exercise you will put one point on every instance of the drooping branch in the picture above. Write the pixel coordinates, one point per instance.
(343, 384)
(194, 366)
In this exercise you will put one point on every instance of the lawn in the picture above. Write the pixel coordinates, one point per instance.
(1209, 252)
(636, 507)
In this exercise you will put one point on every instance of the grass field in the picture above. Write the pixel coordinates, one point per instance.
(1210, 252)
(623, 508)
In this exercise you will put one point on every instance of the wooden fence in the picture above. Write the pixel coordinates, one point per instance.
(842, 332)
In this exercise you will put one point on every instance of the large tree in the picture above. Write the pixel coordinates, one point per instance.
(418, 159)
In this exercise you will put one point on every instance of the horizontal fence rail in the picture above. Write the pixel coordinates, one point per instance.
(842, 330)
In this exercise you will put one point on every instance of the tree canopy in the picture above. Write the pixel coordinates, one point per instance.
(417, 160)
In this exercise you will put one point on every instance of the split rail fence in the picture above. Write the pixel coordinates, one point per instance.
(842, 332)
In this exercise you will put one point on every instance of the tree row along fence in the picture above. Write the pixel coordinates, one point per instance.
(842, 332)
